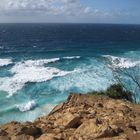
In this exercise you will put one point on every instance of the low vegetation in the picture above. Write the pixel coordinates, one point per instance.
(115, 91)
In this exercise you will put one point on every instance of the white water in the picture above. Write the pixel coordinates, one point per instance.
(29, 71)
(40, 62)
(5, 62)
(27, 106)
(81, 77)
(121, 62)
(71, 57)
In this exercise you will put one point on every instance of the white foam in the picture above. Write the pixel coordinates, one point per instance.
(27, 106)
(29, 71)
(71, 57)
(84, 78)
(5, 62)
(121, 62)
(40, 62)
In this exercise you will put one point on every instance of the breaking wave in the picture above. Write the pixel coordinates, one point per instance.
(71, 57)
(26, 106)
(40, 62)
(29, 71)
(5, 62)
(121, 62)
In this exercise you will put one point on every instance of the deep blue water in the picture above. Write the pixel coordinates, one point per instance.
(40, 64)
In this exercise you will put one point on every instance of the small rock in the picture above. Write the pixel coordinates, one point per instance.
(132, 127)
(4, 138)
(98, 105)
(31, 130)
(22, 137)
(47, 137)
(3, 133)
(58, 137)
(57, 130)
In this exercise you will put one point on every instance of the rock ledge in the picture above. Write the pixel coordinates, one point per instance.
(81, 117)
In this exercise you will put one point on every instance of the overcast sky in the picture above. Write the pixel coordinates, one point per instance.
(74, 11)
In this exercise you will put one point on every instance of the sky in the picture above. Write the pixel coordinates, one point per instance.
(70, 11)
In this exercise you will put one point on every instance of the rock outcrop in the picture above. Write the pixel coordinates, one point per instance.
(81, 117)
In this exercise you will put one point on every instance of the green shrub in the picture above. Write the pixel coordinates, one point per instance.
(116, 91)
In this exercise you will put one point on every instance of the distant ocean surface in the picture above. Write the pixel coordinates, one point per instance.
(40, 64)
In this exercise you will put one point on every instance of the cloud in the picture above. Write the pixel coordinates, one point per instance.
(71, 10)
(53, 7)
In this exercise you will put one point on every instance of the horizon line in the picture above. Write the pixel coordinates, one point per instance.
(67, 23)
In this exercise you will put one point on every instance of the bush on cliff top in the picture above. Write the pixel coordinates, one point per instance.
(115, 91)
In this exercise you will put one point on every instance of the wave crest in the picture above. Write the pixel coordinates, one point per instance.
(29, 71)
(5, 62)
(26, 106)
(71, 57)
(40, 62)
(121, 62)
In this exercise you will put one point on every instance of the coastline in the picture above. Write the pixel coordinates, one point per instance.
(81, 117)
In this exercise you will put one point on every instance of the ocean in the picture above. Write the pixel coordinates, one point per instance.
(41, 64)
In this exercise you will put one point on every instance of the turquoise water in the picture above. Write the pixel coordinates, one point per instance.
(40, 64)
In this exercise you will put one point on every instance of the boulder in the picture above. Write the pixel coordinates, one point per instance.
(68, 120)
(88, 128)
(31, 130)
(110, 132)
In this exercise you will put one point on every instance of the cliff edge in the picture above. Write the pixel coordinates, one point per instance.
(81, 117)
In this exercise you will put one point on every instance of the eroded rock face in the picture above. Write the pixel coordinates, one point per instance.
(82, 117)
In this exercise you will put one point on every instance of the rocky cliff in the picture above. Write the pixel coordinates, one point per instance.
(81, 117)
